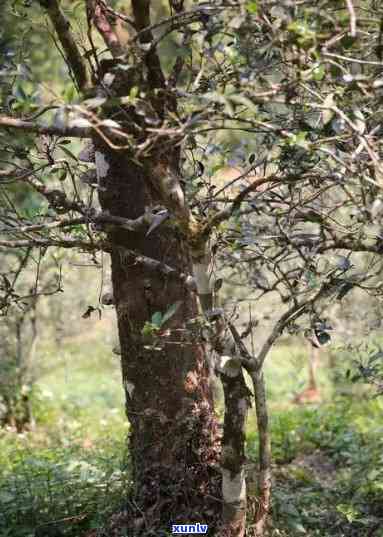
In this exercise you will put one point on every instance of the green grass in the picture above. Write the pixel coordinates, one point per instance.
(60, 491)
(82, 392)
(70, 473)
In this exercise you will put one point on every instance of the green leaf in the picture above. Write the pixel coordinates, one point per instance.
(133, 92)
(218, 284)
(252, 7)
(19, 93)
(183, 52)
(156, 319)
(319, 73)
(63, 175)
(348, 511)
(69, 93)
(171, 311)
(299, 140)
(69, 153)
(148, 329)
(297, 526)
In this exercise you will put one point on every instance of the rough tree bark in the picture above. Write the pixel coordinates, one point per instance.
(173, 439)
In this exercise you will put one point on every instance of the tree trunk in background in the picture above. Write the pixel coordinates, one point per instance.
(173, 439)
(314, 357)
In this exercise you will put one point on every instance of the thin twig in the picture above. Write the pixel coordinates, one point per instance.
(351, 11)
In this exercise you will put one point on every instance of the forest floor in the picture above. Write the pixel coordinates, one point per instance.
(67, 476)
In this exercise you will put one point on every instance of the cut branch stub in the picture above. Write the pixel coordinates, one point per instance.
(203, 282)
(228, 365)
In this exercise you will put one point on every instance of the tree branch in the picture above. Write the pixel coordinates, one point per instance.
(226, 213)
(153, 265)
(62, 26)
(141, 13)
(57, 198)
(291, 314)
(139, 224)
(183, 18)
(96, 12)
(88, 246)
(117, 14)
(128, 256)
(74, 127)
(351, 11)
(71, 130)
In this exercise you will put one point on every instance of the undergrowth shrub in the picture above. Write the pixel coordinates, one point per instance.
(61, 492)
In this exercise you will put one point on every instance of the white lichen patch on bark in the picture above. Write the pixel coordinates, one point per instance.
(202, 278)
(129, 387)
(242, 406)
(176, 195)
(172, 191)
(102, 165)
(233, 487)
(228, 365)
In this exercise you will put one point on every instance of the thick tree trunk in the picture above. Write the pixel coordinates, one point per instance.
(173, 439)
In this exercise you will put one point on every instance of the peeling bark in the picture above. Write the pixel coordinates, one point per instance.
(264, 446)
(237, 402)
(203, 281)
(233, 455)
